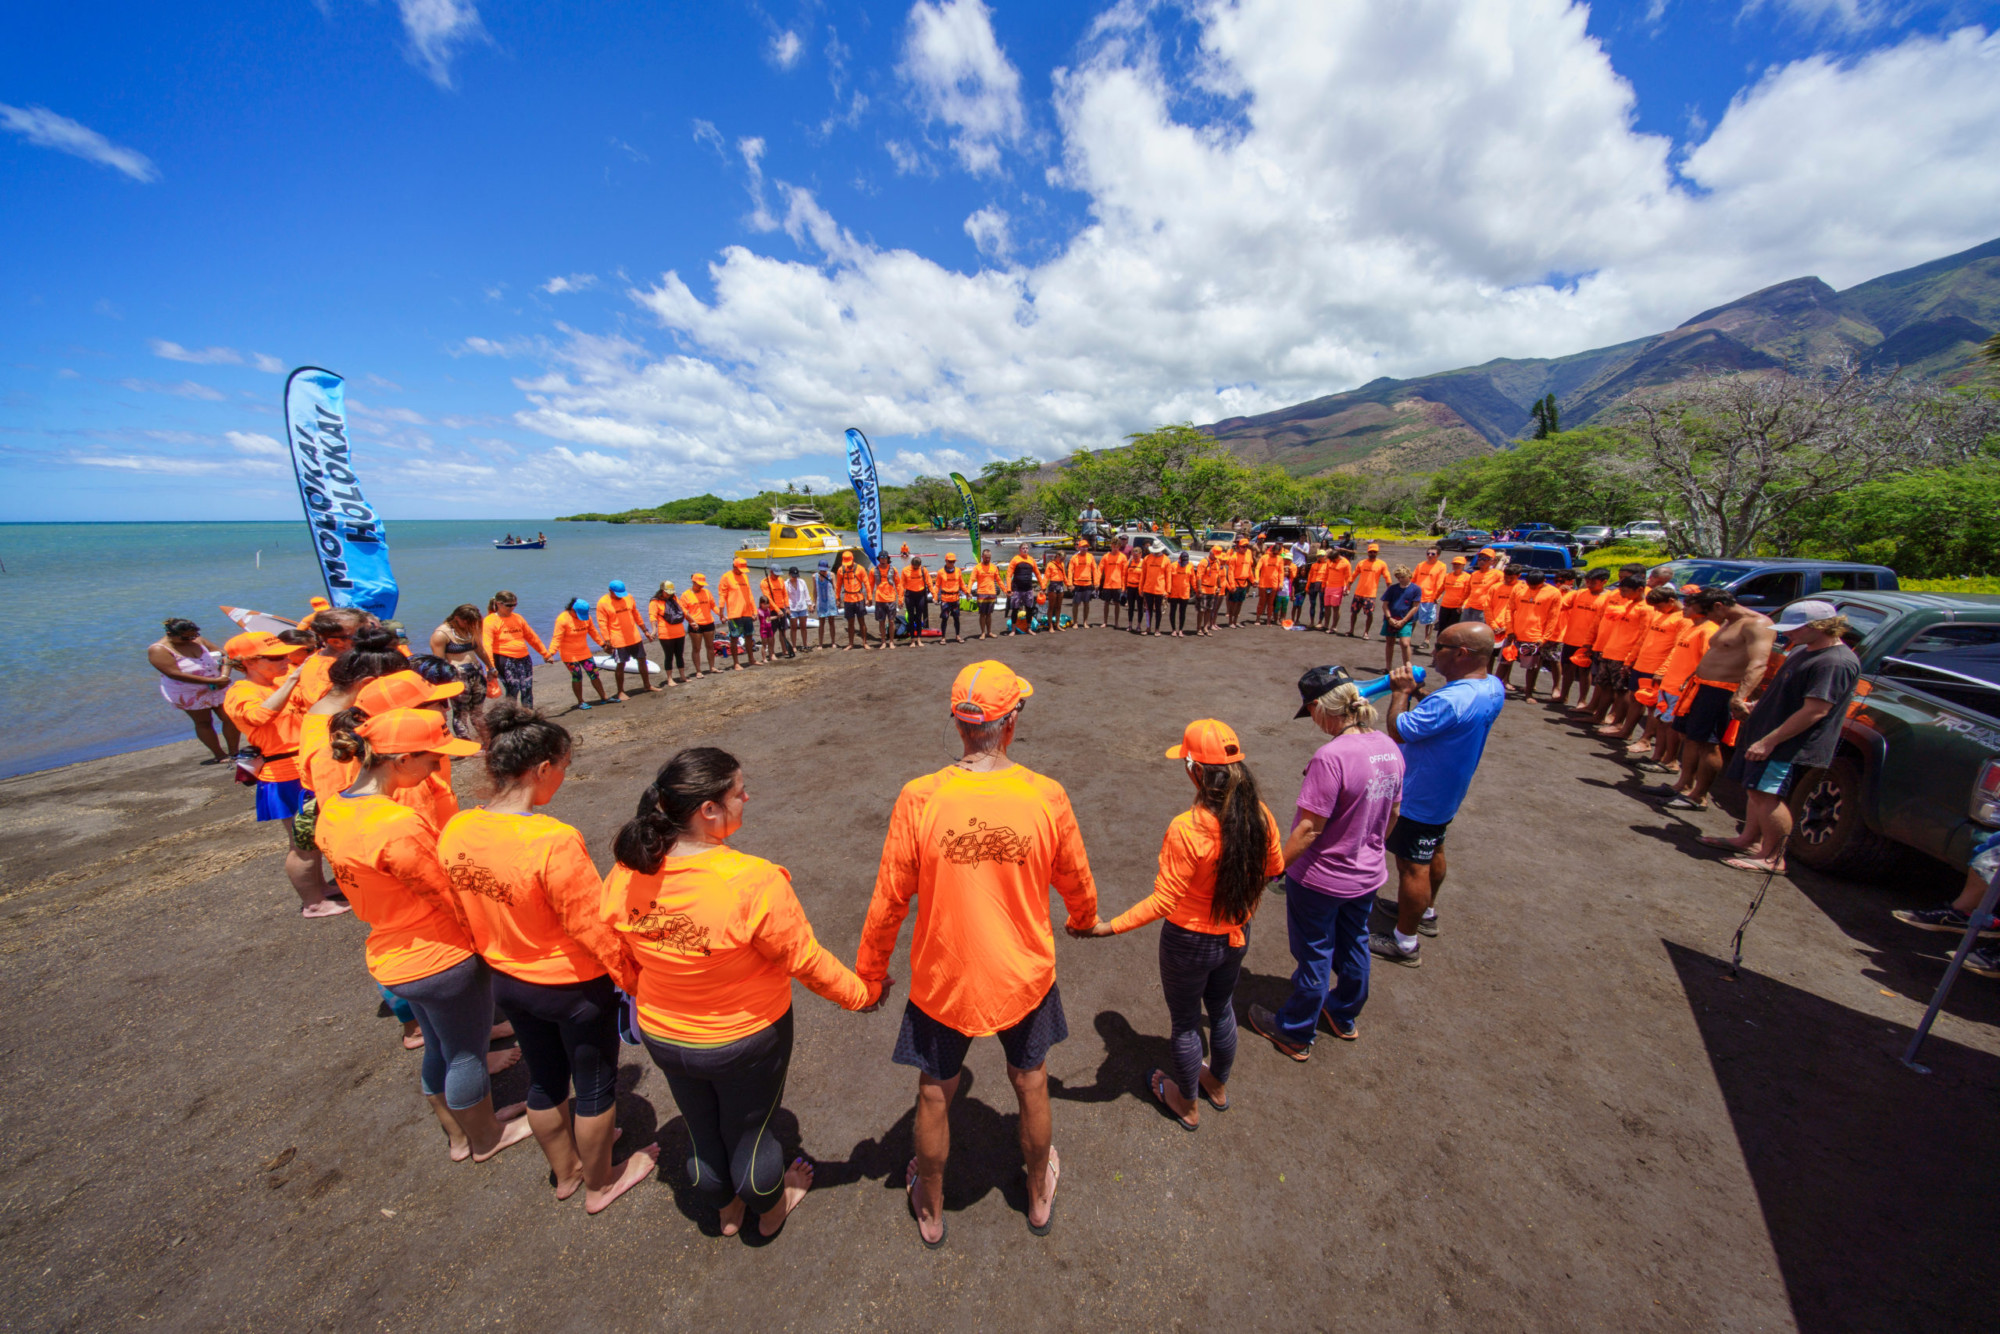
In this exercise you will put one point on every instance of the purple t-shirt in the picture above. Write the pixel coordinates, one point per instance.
(1354, 780)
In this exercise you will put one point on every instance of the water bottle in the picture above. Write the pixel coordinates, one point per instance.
(1380, 685)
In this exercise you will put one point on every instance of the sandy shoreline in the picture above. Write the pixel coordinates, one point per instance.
(1565, 1120)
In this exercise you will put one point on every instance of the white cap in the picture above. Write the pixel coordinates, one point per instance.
(1812, 609)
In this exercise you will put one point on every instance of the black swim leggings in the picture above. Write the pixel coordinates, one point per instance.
(948, 611)
(1153, 601)
(676, 650)
(728, 1096)
(567, 1031)
(1177, 613)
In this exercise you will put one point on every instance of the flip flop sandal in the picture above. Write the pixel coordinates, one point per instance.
(1209, 1098)
(1055, 1170)
(1718, 841)
(1680, 803)
(1751, 865)
(1157, 1083)
(910, 1193)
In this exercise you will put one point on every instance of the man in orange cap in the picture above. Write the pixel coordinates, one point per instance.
(739, 609)
(978, 843)
(621, 628)
(1369, 576)
(261, 709)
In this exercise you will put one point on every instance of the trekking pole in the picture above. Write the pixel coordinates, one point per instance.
(1736, 945)
(1984, 915)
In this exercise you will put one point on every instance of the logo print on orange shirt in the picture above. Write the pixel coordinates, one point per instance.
(982, 842)
(467, 877)
(676, 931)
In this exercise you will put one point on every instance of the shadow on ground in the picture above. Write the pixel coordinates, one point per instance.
(1876, 1183)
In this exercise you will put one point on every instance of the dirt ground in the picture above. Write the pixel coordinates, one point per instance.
(1568, 1119)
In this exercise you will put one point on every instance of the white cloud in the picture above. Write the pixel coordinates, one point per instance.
(183, 389)
(1397, 189)
(198, 356)
(437, 29)
(575, 282)
(988, 229)
(170, 466)
(955, 67)
(784, 49)
(909, 162)
(247, 442)
(706, 133)
(39, 125)
(267, 363)
(1849, 16)
(487, 347)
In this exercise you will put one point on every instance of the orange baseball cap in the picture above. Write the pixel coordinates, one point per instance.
(1207, 741)
(1690, 588)
(402, 690)
(411, 731)
(319, 604)
(257, 644)
(985, 691)
(1458, 560)
(697, 578)
(1374, 546)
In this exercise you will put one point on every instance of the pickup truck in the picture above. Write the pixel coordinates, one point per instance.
(1919, 758)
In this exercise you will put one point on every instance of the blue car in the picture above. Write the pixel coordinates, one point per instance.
(1769, 584)
(1541, 555)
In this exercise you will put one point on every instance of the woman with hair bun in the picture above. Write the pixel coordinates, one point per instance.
(192, 678)
(533, 901)
(1334, 863)
(1213, 864)
(718, 936)
(385, 857)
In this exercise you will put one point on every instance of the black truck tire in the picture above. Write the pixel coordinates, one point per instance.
(1828, 831)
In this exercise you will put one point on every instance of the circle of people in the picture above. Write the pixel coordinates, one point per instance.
(689, 947)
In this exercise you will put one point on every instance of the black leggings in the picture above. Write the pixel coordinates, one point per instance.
(1198, 970)
(948, 611)
(1153, 601)
(676, 654)
(566, 1031)
(917, 605)
(728, 1096)
(1177, 613)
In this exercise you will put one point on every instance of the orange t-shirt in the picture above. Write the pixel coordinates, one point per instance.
(737, 599)
(853, 581)
(1689, 646)
(656, 611)
(1619, 626)
(1153, 574)
(1368, 576)
(772, 587)
(1585, 610)
(510, 635)
(1112, 569)
(385, 858)
(1484, 584)
(618, 621)
(315, 679)
(1211, 576)
(1500, 615)
(1242, 565)
(1429, 578)
(1180, 582)
(274, 732)
(1270, 570)
(1534, 612)
(1656, 641)
(1184, 888)
(888, 585)
(1452, 592)
(979, 852)
(949, 582)
(699, 604)
(531, 898)
(1338, 576)
(572, 636)
(718, 938)
(986, 578)
(324, 776)
(1083, 570)
(1316, 572)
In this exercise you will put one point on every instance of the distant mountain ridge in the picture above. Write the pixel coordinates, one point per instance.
(1929, 320)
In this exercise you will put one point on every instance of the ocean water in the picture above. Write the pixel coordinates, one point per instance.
(83, 601)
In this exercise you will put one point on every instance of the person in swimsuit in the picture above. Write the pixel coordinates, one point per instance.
(192, 679)
(460, 642)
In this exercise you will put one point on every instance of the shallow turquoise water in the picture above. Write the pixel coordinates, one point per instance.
(82, 602)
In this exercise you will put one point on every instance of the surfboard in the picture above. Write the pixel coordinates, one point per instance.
(606, 662)
(259, 620)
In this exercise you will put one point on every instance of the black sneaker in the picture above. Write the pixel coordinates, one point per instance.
(1265, 1025)
(1946, 918)
(1985, 962)
(1385, 947)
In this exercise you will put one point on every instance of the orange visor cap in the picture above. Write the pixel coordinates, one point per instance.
(985, 691)
(257, 644)
(1208, 741)
(410, 731)
(402, 690)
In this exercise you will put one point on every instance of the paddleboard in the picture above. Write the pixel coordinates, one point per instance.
(606, 662)
(259, 620)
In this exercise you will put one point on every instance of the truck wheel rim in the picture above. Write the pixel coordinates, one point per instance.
(1820, 813)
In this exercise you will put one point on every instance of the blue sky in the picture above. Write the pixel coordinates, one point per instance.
(577, 257)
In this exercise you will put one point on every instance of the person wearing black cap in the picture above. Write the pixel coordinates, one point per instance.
(1334, 862)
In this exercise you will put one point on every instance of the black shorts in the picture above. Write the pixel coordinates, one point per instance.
(1236, 594)
(1414, 841)
(628, 653)
(704, 628)
(855, 611)
(1707, 717)
(939, 1050)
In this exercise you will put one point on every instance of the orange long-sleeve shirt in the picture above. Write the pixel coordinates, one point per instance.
(1369, 576)
(509, 635)
(986, 577)
(1689, 646)
(1534, 609)
(656, 612)
(1338, 576)
(1184, 887)
(699, 604)
(1429, 577)
(1485, 583)
(1153, 574)
(853, 581)
(618, 621)
(718, 938)
(572, 636)
(1657, 639)
(1180, 582)
(1622, 621)
(1111, 570)
(385, 858)
(274, 732)
(1585, 610)
(772, 587)
(1083, 570)
(737, 599)
(978, 851)
(1454, 590)
(531, 898)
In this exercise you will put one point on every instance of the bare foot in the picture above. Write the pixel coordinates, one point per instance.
(496, 1061)
(501, 1031)
(565, 1189)
(460, 1146)
(413, 1036)
(798, 1180)
(511, 1133)
(732, 1217)
(324, 908)
(642, 1164)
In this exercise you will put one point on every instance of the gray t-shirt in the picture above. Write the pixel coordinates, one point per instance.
(1829, 674)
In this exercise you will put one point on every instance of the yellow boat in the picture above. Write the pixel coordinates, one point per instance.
(798, 535)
